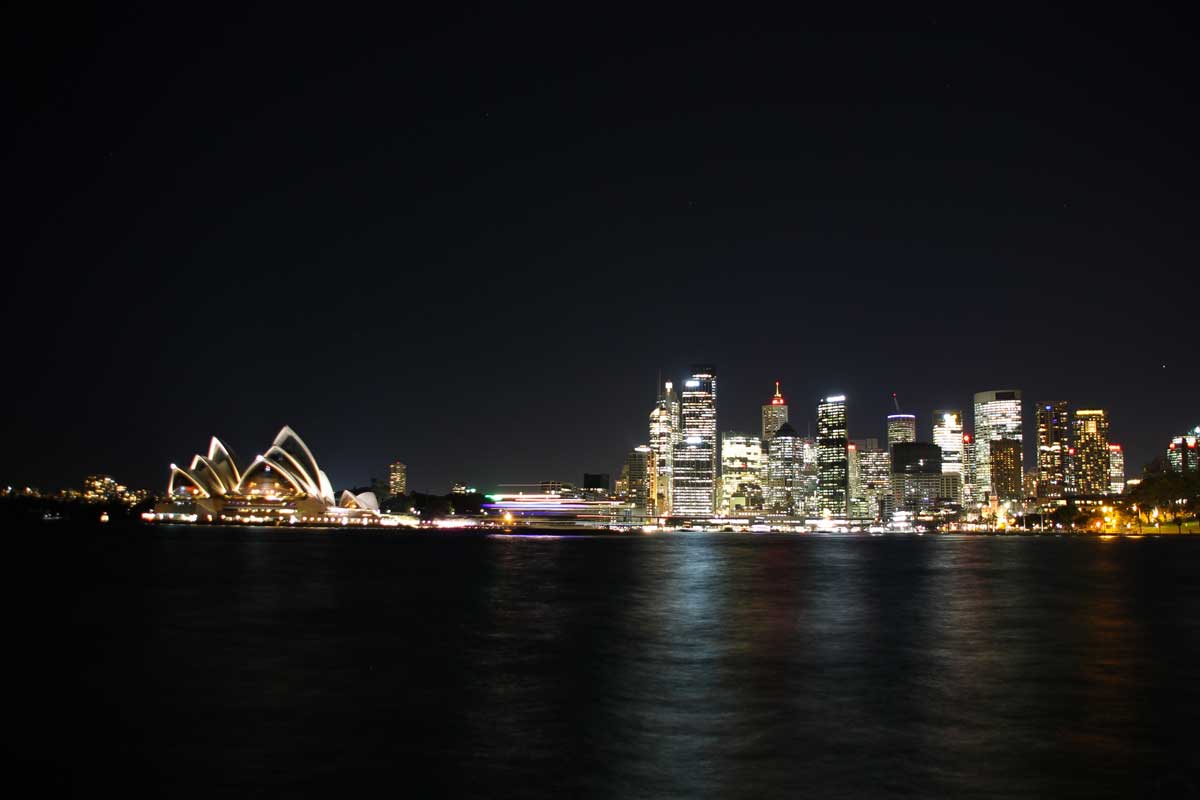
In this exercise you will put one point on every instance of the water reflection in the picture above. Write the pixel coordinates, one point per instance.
(677, 665)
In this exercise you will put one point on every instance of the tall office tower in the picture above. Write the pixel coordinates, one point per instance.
(1183, 453)
(997, 416)
(664, 435)
(857, 504)
(1053, 430)
(694, 485)
(916, 475)
(948, 435)
(639, 478)
(1006, 473)
(808, 454)
(969, 480)
(741, 471)
(785, 478)
(833, 471)
(1116, 469)
(397, 479)
(1090, 429)
(901, 428)
(875, 481)
(774, 414)
(1072, 485)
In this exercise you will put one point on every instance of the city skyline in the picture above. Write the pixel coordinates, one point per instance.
(230, 235)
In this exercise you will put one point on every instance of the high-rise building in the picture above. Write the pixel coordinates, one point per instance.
(664, 436)
(833, 470)
(1116, 469)
(397, 479)
(785, 479)
(639, 479)
(970, 495)
(901, 428)
(1006, 473)
(916, 475)
(997, 416)
(774, 414)
(741, 471)
(1053, 431)
(948, 435)
(1183, 453)
(694, 485)
(1090, 429)
(875, 481)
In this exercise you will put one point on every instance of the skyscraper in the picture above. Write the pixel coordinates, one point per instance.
(664, 435)
(695, 468)
(833, 470)
(1116, 469)
(785, 482)
(970, 495)
(1052, 446)
(875, 481)
(1006, 470)
(1090, 428)
(901, 428)
(397, 478)
(948, 435)
(1183, 453)
(916, 475)
(741, 471)
(997, 416)
(774, 414)
(639, 477)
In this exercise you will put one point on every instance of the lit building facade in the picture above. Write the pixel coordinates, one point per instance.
(1090, 429)
(916, 475)
(1183, 453)
(948, 436)
(1116, 469)
(997, 416)
(968, 485)
(785, 479)
(901, 428)
(833, 470)
(664, 436)
(1007, 476)
(639, 479)
(397, 479)
(875, 482)
(1053, 442)
(774, 414)
(741, 471)
(694, 484)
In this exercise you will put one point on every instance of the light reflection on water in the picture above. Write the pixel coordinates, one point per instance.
(692, 665)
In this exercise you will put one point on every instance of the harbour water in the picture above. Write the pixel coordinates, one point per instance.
(198, 661)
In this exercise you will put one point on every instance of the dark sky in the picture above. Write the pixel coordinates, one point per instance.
(469, 240)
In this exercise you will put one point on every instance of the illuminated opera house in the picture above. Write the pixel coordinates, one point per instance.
(282, 485)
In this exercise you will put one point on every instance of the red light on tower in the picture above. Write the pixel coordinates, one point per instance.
(777, 400)
(967, 438)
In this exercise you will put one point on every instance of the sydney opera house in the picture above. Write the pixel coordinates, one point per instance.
(282, 485)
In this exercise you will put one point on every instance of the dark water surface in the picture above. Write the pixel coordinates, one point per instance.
(193, 661)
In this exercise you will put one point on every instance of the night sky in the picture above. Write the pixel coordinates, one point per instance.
(471, 241)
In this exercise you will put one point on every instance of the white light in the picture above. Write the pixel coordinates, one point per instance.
(841, 398)
(691, 384)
